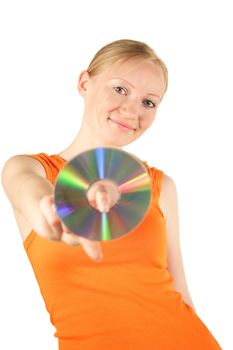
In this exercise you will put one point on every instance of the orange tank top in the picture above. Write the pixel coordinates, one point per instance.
(124, 302)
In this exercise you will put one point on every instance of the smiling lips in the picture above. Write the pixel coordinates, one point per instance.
(122, 125)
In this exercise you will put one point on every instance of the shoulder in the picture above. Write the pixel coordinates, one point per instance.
(168, 184)
(166, 190)
(168, 195)
(165, 182)
(21, 163)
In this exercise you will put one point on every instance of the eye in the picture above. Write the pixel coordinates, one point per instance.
(120, 90)
(149, 103)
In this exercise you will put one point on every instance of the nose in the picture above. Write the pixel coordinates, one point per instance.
(130, 110)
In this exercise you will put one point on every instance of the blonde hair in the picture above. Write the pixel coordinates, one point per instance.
(122, 50)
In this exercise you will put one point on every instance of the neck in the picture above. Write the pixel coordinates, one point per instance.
(83, 142)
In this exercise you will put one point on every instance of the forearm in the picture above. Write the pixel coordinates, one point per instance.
(31, 190)
(25, 190)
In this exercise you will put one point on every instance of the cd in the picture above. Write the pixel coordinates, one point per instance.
(74, 180)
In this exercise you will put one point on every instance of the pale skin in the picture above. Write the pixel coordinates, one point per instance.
(129, 93)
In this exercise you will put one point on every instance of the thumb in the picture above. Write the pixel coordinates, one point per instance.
(92, 249)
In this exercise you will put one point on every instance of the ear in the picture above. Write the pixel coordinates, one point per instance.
(83, 81)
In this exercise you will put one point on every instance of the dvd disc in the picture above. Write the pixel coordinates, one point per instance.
(102, 163)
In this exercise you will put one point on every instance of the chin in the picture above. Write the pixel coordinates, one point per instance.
(121, 143)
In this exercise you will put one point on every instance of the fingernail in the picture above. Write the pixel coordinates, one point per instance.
(98, 258)
(93, 254)
(104, 208)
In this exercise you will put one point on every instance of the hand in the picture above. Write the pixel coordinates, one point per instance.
(103, 195)
(57, 230)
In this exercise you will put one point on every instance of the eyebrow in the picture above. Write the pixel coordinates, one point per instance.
(134, 87)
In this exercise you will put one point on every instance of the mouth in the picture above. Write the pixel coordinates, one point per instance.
(122, 125)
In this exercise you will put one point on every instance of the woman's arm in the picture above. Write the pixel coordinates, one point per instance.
(31, 195)
(25, 184)
(168, 201)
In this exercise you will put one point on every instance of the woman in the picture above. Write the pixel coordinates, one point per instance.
(132, 293)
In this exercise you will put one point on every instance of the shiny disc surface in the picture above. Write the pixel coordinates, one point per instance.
(73, 181)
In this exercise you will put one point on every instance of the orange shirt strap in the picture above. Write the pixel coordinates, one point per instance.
(46, 163)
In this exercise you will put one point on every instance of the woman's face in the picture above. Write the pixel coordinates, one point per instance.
(121, 101)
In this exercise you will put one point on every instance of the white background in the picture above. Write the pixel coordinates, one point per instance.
(44, 46)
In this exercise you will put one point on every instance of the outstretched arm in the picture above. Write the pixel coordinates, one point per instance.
(31, 195)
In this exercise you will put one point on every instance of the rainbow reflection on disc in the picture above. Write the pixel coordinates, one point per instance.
(76, 177)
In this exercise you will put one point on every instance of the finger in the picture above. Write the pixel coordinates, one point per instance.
(103, 201)
(93, 203)
(91, 248)
(70, 238)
